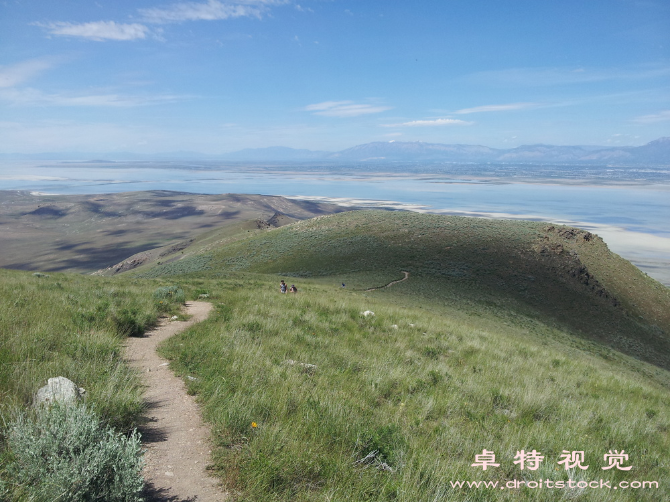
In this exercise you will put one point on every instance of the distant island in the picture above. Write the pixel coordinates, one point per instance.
(656, 152)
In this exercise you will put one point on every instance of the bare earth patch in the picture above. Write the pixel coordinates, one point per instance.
(177, 441)
(391, 283)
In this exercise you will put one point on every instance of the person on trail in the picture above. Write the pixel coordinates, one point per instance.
(282, 286)
(293, 289)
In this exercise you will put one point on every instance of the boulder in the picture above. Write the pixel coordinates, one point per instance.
(59, 390)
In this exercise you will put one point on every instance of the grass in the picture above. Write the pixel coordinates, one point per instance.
(507, 336)
(74, 326)
(426, 396)
(554, 274)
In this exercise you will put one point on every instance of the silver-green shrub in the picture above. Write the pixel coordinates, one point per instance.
(171, 294)
(63, 453)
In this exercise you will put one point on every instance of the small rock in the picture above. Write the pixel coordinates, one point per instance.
(204, 295)
(174, 318)
(59, 390)
(191, 378)
(394, 326)
(169, 474)
(307, 367)
(368, 313)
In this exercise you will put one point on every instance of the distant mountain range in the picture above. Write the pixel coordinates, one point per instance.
(655, 152)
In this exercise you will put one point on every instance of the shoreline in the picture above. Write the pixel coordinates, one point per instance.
(648, 252)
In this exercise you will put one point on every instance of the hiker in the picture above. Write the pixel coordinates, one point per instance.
(282, 286)
(293, 289)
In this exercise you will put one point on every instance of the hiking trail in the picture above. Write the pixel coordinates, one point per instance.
(175, 437)
(391, 283)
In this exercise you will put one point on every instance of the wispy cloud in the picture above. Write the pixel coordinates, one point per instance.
(211, 10)
(344, 109)
(98, 30)
(33, 97)
(653, 118)
(430, 123)
(16, 74)
(549, 76)
(497, 108)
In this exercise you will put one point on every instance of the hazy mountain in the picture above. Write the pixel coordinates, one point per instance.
(275, 154)
(655, 152)
(415, 151)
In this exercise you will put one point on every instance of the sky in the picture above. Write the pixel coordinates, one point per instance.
(215, 76)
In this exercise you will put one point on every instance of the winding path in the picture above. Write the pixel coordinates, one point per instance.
(391, 283)
(176, 440)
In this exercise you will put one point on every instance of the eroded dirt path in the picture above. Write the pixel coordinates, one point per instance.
(391, 283)
(176, 439)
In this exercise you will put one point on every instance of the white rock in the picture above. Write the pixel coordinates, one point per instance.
(59, 390)
(368, 313)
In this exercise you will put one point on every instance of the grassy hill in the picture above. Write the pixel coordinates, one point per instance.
(555, 274)
(422, 393)
(506, 336)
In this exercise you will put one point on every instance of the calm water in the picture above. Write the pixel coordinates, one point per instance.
(618, 213)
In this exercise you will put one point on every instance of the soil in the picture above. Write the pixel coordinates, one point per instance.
(391, 283)
(174, 436)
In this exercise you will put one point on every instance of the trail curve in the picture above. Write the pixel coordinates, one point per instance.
(392, 282)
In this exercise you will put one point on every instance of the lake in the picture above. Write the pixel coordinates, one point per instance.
(631, 212)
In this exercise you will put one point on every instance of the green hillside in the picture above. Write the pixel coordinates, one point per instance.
(556, 274)
(327, 386)
(506, 336)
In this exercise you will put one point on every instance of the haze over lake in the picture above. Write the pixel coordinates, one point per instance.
(628, 208)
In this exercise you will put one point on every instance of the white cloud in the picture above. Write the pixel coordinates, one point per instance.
(33, 97)
(20, 72)
(653, 118)
(430, 123)
(344, 109)
(496, 108)
(211, 10)
(99, 30)
(326, 105)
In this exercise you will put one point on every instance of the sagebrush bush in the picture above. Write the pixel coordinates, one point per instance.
(170, 294)
(64, 453)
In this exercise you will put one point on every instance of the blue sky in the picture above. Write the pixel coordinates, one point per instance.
(215, 76)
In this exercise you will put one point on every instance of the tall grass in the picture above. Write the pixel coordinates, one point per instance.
(73, 326)
(301, 389)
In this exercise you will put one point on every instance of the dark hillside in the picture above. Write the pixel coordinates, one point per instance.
(84, 233)
(564, 275)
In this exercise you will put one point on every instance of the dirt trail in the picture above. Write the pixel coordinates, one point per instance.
(175, 437)
(391, 283)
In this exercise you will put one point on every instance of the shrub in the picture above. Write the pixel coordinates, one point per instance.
(171, 294)
(63, 453)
